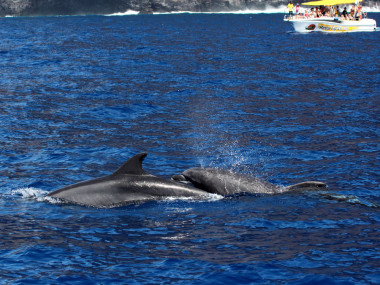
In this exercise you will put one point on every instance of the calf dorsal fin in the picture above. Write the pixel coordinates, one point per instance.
(133, 165)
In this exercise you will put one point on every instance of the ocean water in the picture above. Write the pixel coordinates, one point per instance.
(80, 95)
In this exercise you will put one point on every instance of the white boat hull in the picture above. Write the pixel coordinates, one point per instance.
(332, 25)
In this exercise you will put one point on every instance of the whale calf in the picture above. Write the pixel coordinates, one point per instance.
(129, 184)
(226, 182)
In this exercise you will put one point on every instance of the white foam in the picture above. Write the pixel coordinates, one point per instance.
(29, 193)
(214, 197)
(34, 194)
(267, 10)
(179, 236)
(209, 197)
(375, 9)
(126, 13)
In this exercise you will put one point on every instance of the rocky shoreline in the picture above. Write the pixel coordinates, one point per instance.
(101, 7)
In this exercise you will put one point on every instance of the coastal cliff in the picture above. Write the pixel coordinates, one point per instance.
(101, 7)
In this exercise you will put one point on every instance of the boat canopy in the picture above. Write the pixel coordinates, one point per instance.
(330, 2)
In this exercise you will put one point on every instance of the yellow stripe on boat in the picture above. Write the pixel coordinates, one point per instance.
(330, 2)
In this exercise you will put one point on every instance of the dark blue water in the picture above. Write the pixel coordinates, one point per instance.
(80, 95)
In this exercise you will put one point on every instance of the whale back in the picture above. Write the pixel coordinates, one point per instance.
(129, 184)
(225, 182)
(307, 185)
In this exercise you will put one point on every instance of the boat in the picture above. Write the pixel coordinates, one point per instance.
(327, 16)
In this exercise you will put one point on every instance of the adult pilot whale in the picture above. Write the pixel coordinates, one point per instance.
(226, 182)
(129, 184)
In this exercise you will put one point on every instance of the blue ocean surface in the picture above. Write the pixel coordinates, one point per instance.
(81, 95)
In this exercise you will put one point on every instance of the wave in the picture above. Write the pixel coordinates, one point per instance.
(126, 13)
(375, 9)
(268, 10)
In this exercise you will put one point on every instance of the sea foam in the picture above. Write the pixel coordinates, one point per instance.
(34, 194)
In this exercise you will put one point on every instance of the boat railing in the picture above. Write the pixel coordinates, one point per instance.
(306, 14)
(300, 16)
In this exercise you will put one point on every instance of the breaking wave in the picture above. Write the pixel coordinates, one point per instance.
(126, 13)
(268, 10)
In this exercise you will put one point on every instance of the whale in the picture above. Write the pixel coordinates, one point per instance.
(226, 182)
(128, 184)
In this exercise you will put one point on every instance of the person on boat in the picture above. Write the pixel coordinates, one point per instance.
(337, 12)
(319, 13)
(313, 14)
(351, 16)
(362, 13)
(331, 12)
(297, 8)
(306, 13)
(358, 14)
(290, 8)
(302, 13)
(323, 10)
(326, 12)
(345, 14)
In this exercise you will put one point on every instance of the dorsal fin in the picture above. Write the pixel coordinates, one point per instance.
(133, 165)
